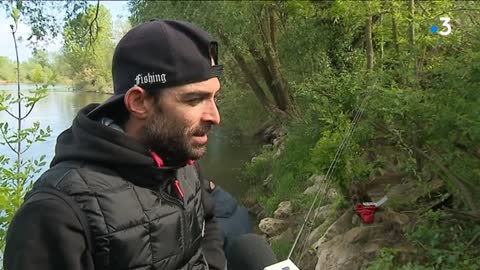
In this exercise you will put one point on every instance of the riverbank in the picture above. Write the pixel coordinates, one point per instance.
(421, 226)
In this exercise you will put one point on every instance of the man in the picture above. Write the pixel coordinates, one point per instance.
(128, 165)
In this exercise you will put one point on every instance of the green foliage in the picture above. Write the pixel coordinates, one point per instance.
(88, 49)
(42, 16)
(7, 69)
(16, 174)
(384, 261)
(38, 69)
(281, 248)
(420, 118)
(444, 243)
(239, 109)
(259, 167)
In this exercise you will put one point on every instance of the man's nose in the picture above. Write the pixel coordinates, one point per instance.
(212, 115)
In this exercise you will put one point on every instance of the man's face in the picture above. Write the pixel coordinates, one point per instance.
(180, 120)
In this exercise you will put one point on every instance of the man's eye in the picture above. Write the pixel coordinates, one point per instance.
(194, 101)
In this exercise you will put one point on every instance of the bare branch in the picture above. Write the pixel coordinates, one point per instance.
(11, 114)
(96, 23)
(8, 143)
(26, 148)
(19, 122)
(30, 145)
(29, 111)
(473, 240)
(423, 8)
(91, 36)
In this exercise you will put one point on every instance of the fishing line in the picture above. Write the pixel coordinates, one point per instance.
(326, 182)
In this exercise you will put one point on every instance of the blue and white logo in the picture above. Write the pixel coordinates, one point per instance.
(446, 24)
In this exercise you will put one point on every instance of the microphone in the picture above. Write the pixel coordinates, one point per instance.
(249, 252)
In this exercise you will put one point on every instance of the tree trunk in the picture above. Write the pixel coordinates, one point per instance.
(369, 44)
(395, 35)
(281, 93)
(381, 44)
(411, 28)
(411, 36)
(262, 66)
(252, 81)
(249, 76)
(273, 28)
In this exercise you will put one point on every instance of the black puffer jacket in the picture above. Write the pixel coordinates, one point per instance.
(138, 217)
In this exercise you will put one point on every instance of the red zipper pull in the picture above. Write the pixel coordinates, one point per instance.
(158, 160)
(179, 189)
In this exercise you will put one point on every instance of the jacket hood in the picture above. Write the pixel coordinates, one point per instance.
(92, 142)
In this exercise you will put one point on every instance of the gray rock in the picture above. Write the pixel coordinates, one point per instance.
(314, 236)
(279, 151)
(268, 182)
(317, 178)
(284, 210)
(356, 220)
(268, 134)
(390, 216)
(272, 226)
(317, 181)
(276, 141)
(313, 189)
(352, 248)
(341, 225)
(331, 194)
(322, 212)
(350, 251)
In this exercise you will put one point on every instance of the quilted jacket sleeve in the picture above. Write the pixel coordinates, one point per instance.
(46, 235)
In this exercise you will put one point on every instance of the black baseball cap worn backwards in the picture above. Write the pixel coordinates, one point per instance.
(160, 54)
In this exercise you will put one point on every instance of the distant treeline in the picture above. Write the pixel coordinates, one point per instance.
(84, 62)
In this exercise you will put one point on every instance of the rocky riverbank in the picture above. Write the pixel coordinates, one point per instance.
(335, 236)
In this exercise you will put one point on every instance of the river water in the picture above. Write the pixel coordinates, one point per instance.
(227, 152)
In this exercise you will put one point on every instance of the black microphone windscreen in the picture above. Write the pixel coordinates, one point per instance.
(249, 252)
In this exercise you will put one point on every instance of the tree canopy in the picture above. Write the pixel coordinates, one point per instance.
(89, 59)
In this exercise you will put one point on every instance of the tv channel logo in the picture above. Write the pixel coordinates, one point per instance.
(447, 27)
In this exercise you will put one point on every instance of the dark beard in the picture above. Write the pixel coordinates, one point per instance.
(171, 139)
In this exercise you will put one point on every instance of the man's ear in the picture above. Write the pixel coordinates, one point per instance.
(138, 102)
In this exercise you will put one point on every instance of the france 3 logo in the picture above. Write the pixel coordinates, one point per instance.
(447, 27)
